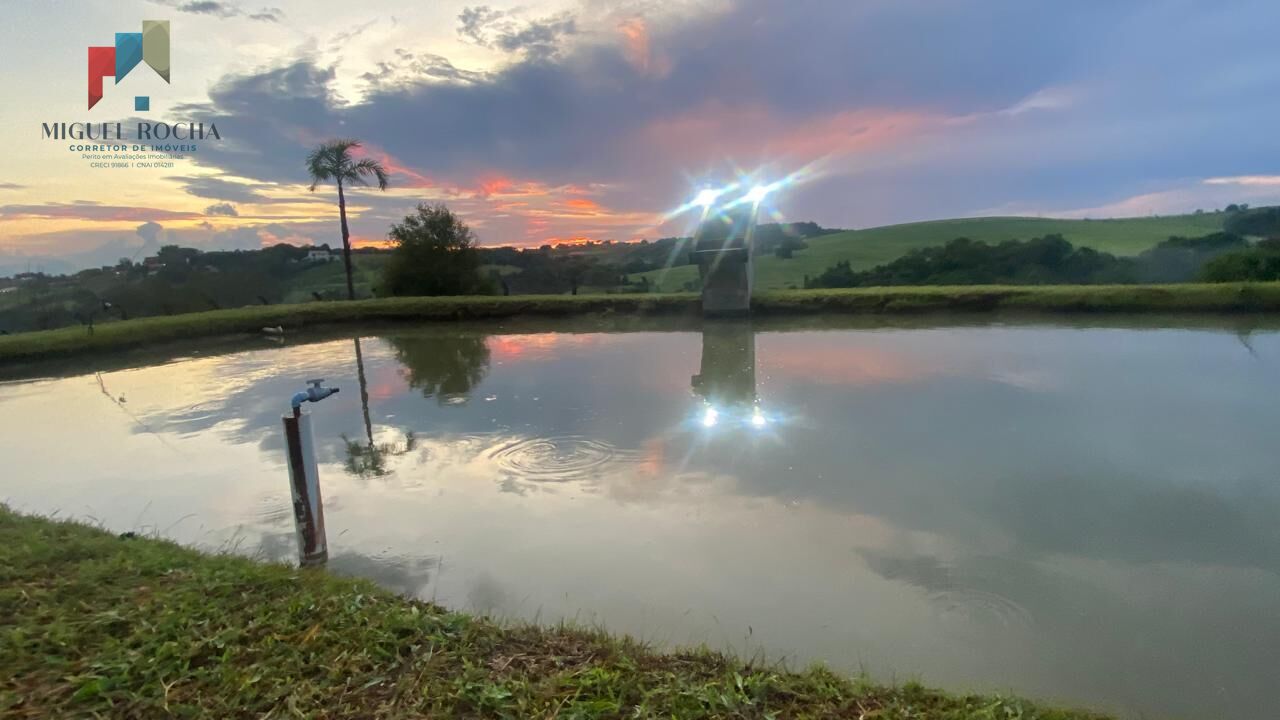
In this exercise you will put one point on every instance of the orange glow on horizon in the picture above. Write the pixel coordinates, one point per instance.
(368, 242)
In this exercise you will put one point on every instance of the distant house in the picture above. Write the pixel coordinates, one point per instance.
(11, 288)
(320, 255)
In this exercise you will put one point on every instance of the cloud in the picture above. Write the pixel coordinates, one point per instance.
(92, 211)
(407, 68)
(268, 15)
(150, 234)
(214, 188)
(149, 231)
(218, 9)
(11, 186)
(1263, 180)
(1071, 105)
(225, 209)
(538, 39)
(473, 22)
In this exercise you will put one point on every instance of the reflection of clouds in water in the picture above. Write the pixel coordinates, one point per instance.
(273, 508)
(513, 460)
(816, 359)
(538, 346)
(1031, 379)
(523, 465)
(555, 459)
(958, 591)
(281, 547)
(403, 574)
(239, 395)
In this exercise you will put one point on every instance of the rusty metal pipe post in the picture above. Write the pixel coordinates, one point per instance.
(304, 478)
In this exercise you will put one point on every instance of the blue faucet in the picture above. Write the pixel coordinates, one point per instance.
(315, 393)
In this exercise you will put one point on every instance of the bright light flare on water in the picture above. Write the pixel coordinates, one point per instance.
(710, 417)
(757, 419)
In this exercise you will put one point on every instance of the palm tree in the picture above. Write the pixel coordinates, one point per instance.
(333, 161)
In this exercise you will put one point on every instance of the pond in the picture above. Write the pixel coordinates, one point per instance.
(1083, 514)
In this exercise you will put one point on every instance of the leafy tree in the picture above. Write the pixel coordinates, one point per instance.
(837, 276)
(1258, 263)
(334, 162)
(435, 254)
(1049, 259)
(1263, 221)
(1178, 259)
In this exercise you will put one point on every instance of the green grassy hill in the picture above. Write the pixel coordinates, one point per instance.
(330, 277)
(875, 246)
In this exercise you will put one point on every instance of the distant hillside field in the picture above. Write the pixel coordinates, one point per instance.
(330, 278)
(868, 248)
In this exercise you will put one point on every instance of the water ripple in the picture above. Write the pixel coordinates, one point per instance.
(980, 606)
(555, 459)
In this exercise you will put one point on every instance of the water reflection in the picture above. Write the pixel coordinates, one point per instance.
(404, 574)
(443, 366)
(726, 380)
(1082, 514)
(370, 458)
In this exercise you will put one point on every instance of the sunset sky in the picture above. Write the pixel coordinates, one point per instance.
(555, 120)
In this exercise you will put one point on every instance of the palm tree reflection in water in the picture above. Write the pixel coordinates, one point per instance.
(369, 459)
(443, 366)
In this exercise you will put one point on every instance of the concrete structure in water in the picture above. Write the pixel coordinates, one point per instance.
(726, 379)
(723, 252)
(727, 374)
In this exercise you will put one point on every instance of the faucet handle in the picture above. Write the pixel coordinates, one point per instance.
(317, 382)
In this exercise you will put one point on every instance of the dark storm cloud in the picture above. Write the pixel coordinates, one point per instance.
(150, 231)
(224, 209)
(1150, 103)
(567, 117)
(217, 189)
(538, 39)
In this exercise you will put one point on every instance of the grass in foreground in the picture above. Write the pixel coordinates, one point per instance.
(95, 625)
(1181, 298)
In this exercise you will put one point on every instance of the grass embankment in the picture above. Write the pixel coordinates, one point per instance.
(865, 249)
(92, 625)
(143, 331)
(1184, 298)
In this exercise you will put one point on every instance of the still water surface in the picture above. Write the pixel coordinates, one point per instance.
(1088, 515)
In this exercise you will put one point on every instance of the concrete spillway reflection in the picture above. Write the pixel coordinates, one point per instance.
(726, 380)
